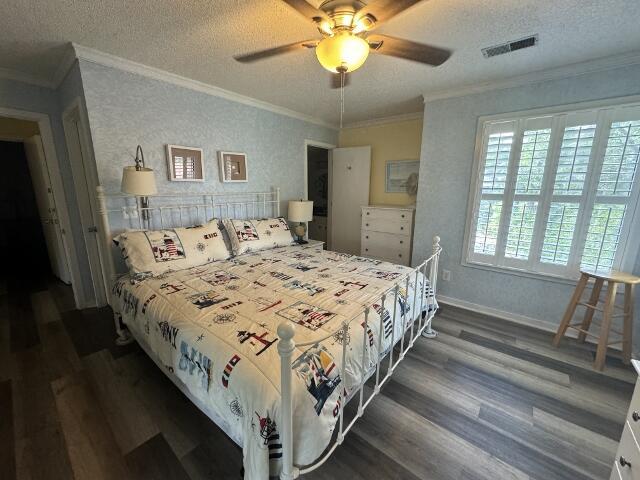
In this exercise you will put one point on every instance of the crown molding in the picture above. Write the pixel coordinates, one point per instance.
(68, 60)
(403, 117)
(557, 73)
(105, 59)
(24, 78)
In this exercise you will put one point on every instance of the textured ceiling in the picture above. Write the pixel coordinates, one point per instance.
(197, 39)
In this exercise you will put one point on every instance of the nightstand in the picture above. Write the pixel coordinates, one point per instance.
(314, 243)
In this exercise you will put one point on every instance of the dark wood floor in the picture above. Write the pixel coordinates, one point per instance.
(485, 400)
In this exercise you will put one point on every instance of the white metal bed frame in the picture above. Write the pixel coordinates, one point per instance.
(256, 204)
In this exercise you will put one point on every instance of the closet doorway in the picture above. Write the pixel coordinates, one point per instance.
(34, 220)
(318, 188)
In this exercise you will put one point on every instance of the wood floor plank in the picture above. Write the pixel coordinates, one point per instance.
(129, 420)
(424, 446)
(41, 451)
(7, 439)
(22, 323)
(93, 451)
(57, 349)
(486, 438)
(544, 442)
(154, 460)
(204, 461)
(179, 420)
(44, 307)
(585, 418)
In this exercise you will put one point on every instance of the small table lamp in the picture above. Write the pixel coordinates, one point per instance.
(139, 181)
(300, 211)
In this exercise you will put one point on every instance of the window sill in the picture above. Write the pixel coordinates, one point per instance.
(547, 277)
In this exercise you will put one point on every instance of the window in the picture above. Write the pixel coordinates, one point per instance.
(557, 192)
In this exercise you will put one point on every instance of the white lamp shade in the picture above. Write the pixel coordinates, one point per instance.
(141, 183)
(300, 210)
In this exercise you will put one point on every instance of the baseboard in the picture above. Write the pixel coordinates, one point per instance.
(516, 318)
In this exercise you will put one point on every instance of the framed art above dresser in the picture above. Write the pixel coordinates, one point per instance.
(387, 233)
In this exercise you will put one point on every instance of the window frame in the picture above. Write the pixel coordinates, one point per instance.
(628, 246)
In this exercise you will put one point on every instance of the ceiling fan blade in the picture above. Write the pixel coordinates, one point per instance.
(336, 80)
(417, 52)
(307, 10)
(383, 10)
(271, 52)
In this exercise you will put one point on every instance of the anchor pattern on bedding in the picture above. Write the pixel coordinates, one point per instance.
(214, 327)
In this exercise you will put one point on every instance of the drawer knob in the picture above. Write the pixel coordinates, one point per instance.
(366, 249)
(366, 224)
(401, 241)
(366, 236)
(624, 462)
(402, 215)
(635, 416)
(367, 213)
(401, 228)
(400, 255)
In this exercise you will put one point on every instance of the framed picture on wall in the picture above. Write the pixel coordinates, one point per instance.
(233, 167)
(184, 164)
(397, 174)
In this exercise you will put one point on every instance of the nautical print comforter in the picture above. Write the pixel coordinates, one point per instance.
(214, 327)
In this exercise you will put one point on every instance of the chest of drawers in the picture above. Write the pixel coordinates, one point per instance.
(627, 462)
(387, 233)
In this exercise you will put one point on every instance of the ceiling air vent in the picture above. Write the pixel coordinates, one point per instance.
(510, 46)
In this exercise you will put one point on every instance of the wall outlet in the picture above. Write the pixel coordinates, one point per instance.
(446, 275)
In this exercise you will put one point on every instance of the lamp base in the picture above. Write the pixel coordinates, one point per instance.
(301, 241)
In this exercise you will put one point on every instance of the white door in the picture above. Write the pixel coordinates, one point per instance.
(350, 174)
(47, 207)
(79, 156)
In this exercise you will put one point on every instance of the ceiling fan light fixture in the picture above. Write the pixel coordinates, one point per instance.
(342, 52)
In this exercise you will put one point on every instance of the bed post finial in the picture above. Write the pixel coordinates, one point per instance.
(286, 346)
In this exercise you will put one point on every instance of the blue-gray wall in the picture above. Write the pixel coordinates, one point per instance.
(448, 142)
(26, 97)
(127, 109)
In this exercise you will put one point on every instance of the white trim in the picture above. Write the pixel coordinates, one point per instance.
(515, 318)
(90, 178)
(404, 117)
(95, 56)
(65, 65)
(22, 77)
(329, 147)
(46, 134)
(557, 73)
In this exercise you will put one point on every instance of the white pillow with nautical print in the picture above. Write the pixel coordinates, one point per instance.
(253, 235)
(152, 252)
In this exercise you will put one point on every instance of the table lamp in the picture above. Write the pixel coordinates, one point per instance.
(300, 211)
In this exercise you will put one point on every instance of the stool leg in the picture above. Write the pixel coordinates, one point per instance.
(601, 353)
(627, 330)
(571, 308)
(588, 314)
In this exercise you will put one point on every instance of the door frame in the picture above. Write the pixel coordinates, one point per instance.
(75, 111)
(57, 186)
(329, 147)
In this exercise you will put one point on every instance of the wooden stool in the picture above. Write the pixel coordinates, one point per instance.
(613, 278)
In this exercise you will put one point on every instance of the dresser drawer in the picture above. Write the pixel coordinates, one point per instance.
(379, 239)
(633, 415)
(627, 462)
(387, 214)
(389, 253)
(386, 226)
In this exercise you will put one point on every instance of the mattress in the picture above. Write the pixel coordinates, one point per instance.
(214, 329)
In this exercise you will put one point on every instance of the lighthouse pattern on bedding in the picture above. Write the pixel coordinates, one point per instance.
(165, 245)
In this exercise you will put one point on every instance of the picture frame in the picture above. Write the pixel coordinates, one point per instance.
(185, 164)
(233, 167)
(397, 172)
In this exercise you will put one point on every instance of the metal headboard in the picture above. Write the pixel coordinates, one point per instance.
(120, 212)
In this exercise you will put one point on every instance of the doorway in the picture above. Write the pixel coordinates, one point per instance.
(29, 224)
(317, 188)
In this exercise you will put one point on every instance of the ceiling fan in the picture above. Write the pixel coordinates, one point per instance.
(346, 27)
